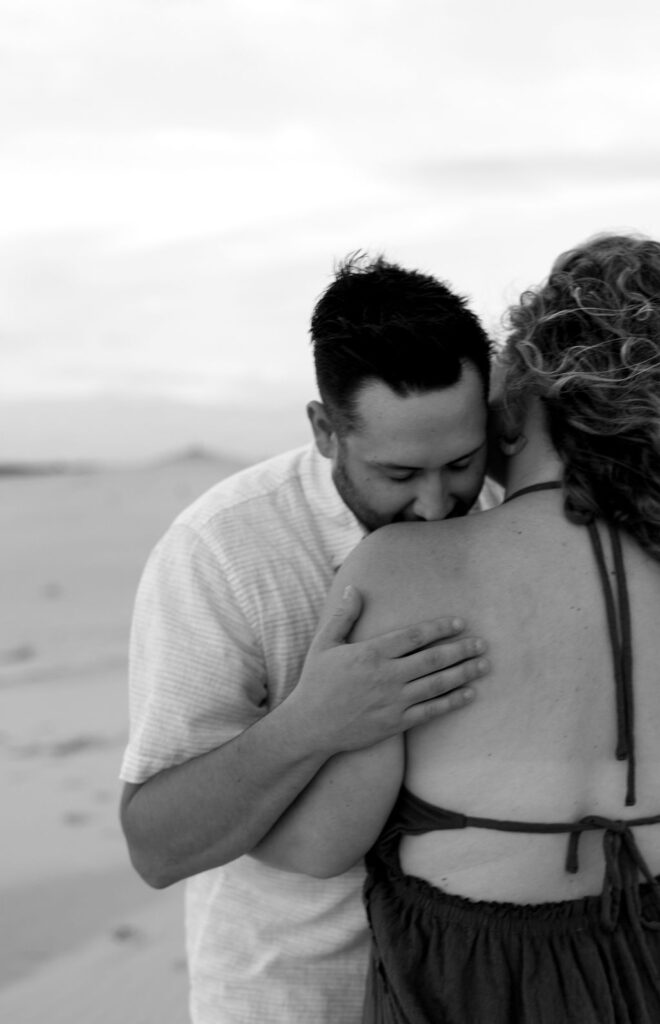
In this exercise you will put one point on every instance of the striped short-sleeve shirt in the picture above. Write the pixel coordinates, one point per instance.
(225, 612)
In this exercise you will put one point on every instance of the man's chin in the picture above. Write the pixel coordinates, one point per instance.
(375, 524)
(371, 523)
(461, 508)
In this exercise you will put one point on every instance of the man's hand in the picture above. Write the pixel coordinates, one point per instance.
(215, 807)
(355, 694)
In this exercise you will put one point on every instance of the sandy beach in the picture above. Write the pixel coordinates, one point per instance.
(83, 938)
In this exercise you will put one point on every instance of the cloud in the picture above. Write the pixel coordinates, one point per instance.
(177, 178)
(370, 75)
(505, 174)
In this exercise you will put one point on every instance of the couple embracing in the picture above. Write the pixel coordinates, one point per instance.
(511, 847)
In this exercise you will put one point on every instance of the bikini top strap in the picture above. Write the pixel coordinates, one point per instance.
(547, 485)
(617, 607)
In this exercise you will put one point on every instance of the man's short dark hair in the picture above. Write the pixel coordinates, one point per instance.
(379, 322)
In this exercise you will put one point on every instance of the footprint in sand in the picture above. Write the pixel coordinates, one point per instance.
(75, 818)
(18, 654)
(127, 933)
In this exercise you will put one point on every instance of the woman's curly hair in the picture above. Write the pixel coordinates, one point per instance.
(587, 343)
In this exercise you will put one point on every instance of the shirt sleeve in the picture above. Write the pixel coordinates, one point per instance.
(197, 675)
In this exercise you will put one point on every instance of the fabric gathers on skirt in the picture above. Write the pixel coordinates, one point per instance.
(442, 959)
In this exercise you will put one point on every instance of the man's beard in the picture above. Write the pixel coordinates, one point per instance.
(370, 519)
(348, 493)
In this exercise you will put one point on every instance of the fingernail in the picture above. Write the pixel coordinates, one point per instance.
(483, 664)
(467, 694)
(457, 624)
(479, 646)
(347, 592)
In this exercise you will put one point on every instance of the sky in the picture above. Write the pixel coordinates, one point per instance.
(178, 179)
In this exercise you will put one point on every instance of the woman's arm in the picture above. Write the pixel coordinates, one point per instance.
(339, 816)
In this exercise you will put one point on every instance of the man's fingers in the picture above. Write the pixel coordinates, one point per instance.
(441, 683)
(443, 692)
(424, 712)
(440, 657)
(400, 642)
(336, 628)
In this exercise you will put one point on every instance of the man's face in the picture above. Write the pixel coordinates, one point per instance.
(418, 457)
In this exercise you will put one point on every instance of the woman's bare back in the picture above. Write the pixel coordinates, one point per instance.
(539, 742)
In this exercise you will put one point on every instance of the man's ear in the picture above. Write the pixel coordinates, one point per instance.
(324, 433)
(506, 421)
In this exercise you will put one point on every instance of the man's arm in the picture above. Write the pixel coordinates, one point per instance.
(220, 805)
(212, 808)
(343, 809)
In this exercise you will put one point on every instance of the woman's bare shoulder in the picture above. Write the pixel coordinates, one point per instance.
(410, 543)
(393, 567)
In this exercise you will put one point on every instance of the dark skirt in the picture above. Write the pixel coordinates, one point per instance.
(442, 959)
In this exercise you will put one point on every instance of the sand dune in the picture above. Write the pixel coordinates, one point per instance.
(83, 939)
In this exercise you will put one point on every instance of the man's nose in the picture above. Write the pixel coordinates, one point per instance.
(432, 501)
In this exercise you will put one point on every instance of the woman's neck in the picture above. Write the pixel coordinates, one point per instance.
(537, 461)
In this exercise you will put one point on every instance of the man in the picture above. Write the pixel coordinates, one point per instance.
(229, 718)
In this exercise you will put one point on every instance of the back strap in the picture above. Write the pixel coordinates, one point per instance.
(624, 864)
(620, 630)
(617, 606)
(412, 815)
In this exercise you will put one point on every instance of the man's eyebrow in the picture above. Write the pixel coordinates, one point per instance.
(392, 465)
(397, 466)
(469, 455)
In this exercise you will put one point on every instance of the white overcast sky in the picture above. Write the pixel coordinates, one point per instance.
(177, 178)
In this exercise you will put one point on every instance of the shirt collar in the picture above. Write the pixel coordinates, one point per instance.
(490, 496)
(323, 497)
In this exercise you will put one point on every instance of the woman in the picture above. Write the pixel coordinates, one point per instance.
(531, 898)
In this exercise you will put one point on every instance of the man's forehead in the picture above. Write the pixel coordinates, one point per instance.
(420, 430)
(380, 411)
(413, 449)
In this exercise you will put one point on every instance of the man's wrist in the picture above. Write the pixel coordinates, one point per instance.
(302, 730)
